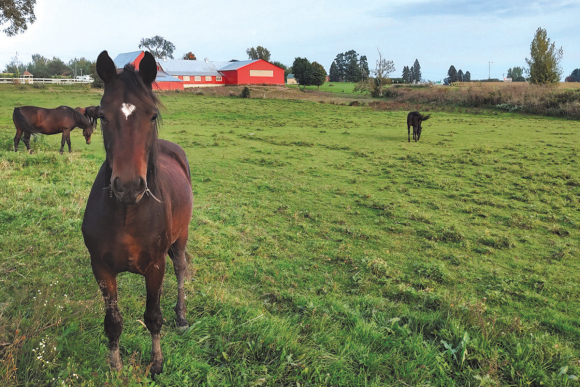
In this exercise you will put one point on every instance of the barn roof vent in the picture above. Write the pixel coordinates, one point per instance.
(206, 60)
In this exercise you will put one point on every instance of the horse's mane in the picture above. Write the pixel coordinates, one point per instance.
(134, 85)
(80, 117)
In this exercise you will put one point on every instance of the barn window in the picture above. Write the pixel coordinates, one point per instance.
(262, 73)
(208, 78)
(198, 78)
(186, 77)
(218, 79)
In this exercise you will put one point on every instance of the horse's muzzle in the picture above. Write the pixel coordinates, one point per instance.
(129, 192)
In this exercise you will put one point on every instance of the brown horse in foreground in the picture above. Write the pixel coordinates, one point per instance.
(30, 120)
(141, 202)
(415, 119)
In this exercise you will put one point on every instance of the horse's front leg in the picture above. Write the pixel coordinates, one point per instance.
(62, 141)
(113, 320)
(68, 142)
(177, 254)
(409, 133)
(153, 318)
(65, 137)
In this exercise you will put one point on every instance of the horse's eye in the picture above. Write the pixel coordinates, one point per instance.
(103, 118)
(154, 118)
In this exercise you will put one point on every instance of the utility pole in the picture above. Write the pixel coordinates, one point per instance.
(489, 70)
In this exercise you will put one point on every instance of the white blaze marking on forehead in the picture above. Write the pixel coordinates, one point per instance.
(127, 109)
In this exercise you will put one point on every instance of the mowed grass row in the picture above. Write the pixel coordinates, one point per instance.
(327, 250)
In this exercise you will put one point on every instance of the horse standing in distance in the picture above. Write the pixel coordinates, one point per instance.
(415, 119)
(30, 120)
(92, 113)
(141, 202)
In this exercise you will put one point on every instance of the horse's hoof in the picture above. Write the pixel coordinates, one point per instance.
(183, 328)
(116, 366)
(156, 369)
(30, 151)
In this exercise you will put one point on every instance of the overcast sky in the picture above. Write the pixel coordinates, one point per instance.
(439, 33)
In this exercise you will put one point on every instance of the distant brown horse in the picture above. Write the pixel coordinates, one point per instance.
(141, 202)
(415, 119)
(92, 113)
(30, 120)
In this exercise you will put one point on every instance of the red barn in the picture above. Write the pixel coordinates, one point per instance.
(180, 74)
(253, 72)
(195, 73)
(163, 81)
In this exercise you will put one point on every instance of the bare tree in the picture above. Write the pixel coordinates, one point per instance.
(382, 70)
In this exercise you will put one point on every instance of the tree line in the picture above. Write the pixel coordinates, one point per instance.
(412, 74)
(349, 67)
(42, 67)
(457, 76)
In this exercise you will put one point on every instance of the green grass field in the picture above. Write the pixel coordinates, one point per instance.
(327, 251)
(334, 87)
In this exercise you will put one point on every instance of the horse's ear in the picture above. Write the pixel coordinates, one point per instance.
(106, 67)
(148, 69)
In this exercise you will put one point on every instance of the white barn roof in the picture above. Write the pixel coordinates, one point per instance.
(237, 65)
(122, 59)
(191, 67)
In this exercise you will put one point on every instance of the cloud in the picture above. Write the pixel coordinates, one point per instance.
(474, 8)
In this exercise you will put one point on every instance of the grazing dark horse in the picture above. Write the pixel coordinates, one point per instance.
(415, 119)
(141, 202)
(92, 114)
(30, 120)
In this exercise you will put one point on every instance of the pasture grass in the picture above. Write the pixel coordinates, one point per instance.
(327, 251)
(334, 87)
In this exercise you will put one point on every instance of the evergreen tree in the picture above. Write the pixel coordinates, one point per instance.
(350, 68)
(467, 76)
(353, 71)
(452, 73)
(544, 62)
(334, 76)
(575, 75)
(460, 75)
(406, 74)
(340, 61)
(416, 71)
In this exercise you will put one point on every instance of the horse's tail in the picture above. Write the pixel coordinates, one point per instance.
(21, 123)
(425, 118)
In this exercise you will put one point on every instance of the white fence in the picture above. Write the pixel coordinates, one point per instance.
(53, 81)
